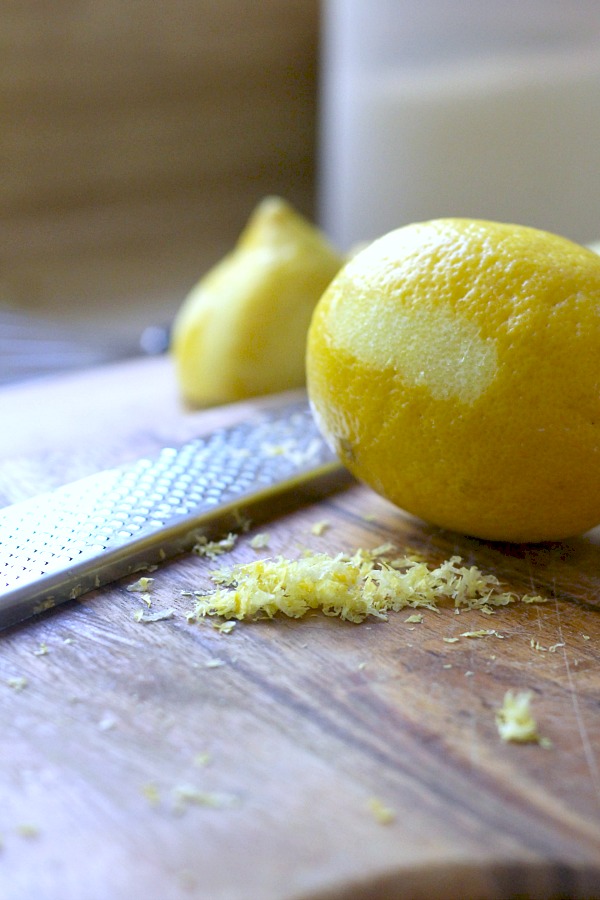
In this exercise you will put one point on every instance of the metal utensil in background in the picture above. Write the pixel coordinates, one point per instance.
(31, 346)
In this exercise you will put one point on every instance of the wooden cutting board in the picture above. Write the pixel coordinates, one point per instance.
(169, 760)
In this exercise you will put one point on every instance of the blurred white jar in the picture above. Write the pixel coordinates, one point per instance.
(479, 108)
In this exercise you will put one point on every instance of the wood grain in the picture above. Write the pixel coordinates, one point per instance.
(122, 726)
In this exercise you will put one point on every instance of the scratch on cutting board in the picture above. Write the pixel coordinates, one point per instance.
(588, 749)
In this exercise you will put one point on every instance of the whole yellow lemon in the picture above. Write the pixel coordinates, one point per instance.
(454, 365)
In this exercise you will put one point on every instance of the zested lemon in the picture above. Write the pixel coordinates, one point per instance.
(455, 367)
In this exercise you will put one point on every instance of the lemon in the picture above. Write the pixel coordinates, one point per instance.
(454, 365)
(242, 330)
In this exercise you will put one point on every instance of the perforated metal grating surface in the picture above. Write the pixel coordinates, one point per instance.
(58, 545)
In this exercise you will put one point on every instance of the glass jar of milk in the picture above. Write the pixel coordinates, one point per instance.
(479, 108)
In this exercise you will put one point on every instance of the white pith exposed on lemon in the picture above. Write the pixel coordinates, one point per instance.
(442, 350)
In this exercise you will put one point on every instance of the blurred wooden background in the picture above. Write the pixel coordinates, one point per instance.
(136, 139)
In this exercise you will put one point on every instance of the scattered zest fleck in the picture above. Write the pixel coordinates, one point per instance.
(515, 721)
(202, 759)
(483, 632)
(107, 722)
(225, 627)
(184, 795)
(212, 549)
(415, 619)
(141, 586)
(448, 640)
(214, 663)
(260, 541)
(535, 645)
(17, 683)
(141, 615)
(383, 814)
(321, 527)
(42, 650)
(28, 831)
(150, 792)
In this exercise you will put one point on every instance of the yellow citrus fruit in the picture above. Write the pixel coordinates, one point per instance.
(454, 365)
(242, 329)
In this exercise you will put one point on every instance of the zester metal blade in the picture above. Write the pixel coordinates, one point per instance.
(59, 545)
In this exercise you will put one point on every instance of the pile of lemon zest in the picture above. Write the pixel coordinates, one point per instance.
(351, 587)
(515, 721)
(212, 549)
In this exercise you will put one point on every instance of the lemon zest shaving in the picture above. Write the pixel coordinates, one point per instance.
(321, 527)
(382, 813)
(515, 721)
(160, 616)
(212, 549)
(260, 541)
(352, 587)
(141, 586)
